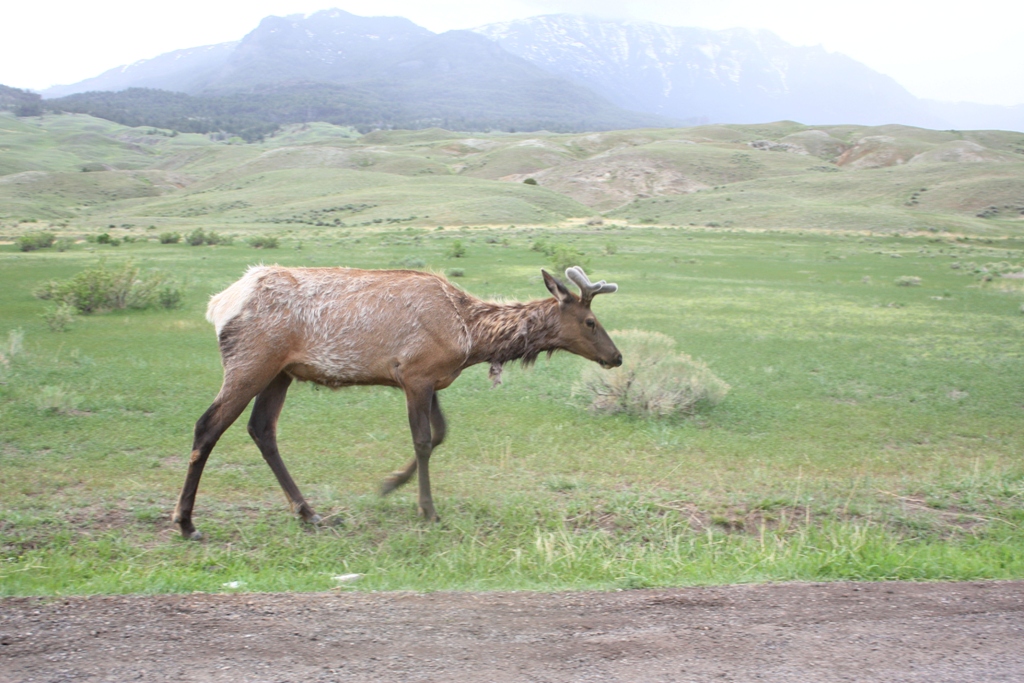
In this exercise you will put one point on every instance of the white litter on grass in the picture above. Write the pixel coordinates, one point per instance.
(233, 584)
(347, 578)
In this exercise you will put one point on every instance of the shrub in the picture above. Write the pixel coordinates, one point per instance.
(264, 242)
(46, 291)
(653, 381)
(908, 281)
(216, 238)
(530, 181)
(196, 238)
(169, 296)
(104, 238)
(101, 288)
(456, 250)
(59, 319)
(170, 237)
(540, 245)
(36, 240)
(561, 257)
(65, 244)
(455, 272)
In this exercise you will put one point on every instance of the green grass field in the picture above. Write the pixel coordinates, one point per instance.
(873, 431)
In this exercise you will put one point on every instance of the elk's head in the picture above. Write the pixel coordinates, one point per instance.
(581, 333)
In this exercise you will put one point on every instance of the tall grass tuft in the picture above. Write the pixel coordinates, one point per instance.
(57, 400)
(10, 349)
(653, 381)
(15, 342)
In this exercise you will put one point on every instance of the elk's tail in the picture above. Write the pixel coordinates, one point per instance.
(226, 306)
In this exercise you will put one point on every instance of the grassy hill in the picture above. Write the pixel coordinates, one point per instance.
(91, 173)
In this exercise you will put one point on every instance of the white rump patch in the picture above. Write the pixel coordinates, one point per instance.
(225, 307)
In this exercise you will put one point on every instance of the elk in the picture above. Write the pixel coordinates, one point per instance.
(342, 327)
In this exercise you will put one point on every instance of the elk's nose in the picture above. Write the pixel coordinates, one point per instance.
(617, 361)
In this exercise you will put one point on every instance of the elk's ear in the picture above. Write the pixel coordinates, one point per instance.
(556, 288)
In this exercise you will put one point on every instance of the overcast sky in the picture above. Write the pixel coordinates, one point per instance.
(953, 51)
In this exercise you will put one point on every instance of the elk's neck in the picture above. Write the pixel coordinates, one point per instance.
(504, 332)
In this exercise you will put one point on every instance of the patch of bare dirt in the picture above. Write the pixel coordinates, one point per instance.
(931, 632)
(880, 151)
(606, 183)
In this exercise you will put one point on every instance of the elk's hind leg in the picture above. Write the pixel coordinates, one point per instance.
(263, 430)
(438, 427)
(234, 396)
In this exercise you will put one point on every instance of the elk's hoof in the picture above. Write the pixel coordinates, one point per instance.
(429, 516)
(194, 535)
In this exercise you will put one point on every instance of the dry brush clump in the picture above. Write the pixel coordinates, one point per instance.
(908, 281)
(654, 380)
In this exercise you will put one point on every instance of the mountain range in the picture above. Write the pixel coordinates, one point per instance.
(557, 72)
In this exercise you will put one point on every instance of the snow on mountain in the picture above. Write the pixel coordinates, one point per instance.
(700, 75)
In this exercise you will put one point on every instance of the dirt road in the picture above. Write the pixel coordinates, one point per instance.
(962, 632)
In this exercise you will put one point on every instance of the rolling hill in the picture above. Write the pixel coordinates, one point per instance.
(92, 173)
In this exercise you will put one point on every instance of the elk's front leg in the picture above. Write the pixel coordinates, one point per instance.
(419, 401)
(438, 428)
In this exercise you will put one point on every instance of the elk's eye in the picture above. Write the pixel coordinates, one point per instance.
(591, 323)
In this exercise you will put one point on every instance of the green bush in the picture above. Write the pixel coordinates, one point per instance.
(653, 381)
(36, 240)
(216, 238)
(101, 289)
(561, 257)
(540, 245)
(264, 242)
(65, 244)
(169, 296)
(170, 237)
(196, 238)
(456, 250)
(59, 319)
(199, 237)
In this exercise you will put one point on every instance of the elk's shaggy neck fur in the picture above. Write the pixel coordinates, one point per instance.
(505, 332)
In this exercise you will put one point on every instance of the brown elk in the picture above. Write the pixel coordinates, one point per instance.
(343, 327)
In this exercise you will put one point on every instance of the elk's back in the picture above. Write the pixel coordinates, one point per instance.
(342, 326)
